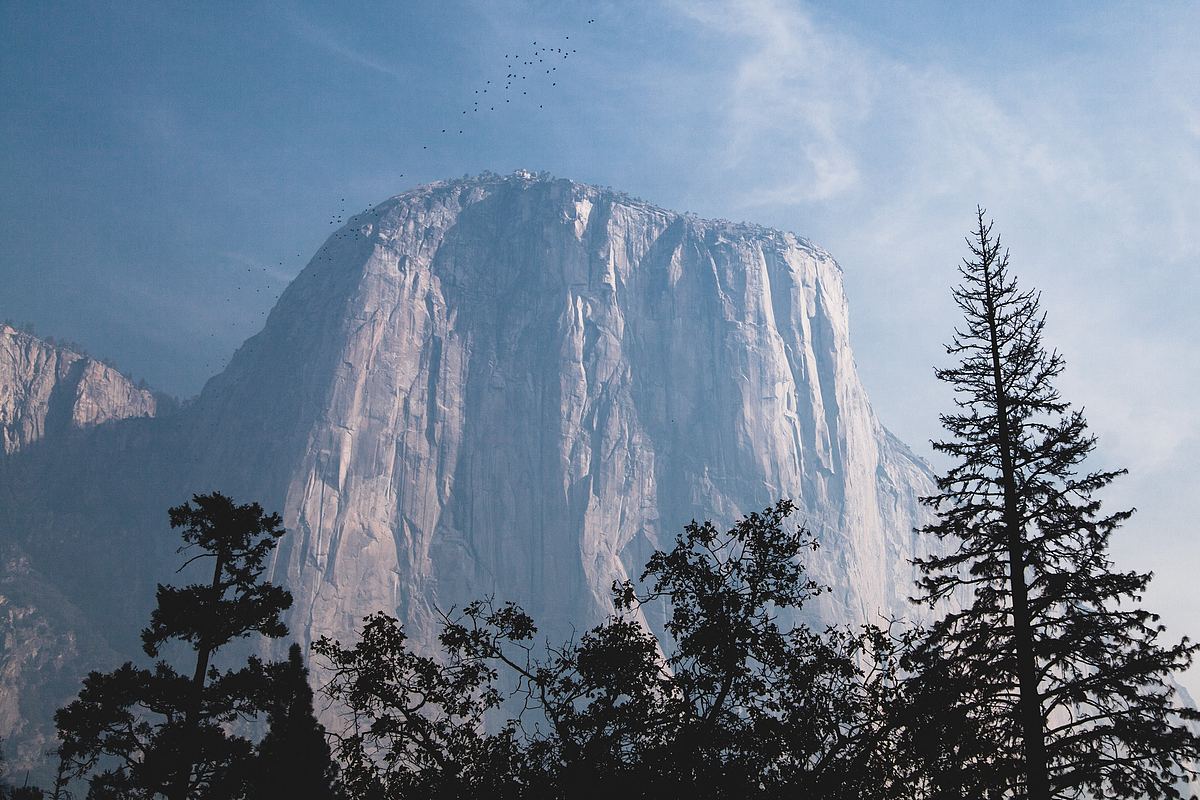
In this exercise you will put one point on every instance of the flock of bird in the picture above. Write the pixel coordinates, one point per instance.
(530, 73)
(520, 68)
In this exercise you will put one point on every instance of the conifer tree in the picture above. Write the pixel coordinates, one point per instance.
(1050, 657)
(151, 732)
(293, 761)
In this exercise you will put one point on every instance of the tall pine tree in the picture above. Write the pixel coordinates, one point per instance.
(151, 732)
(1050, 656)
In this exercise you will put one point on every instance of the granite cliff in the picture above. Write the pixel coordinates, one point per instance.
(516, 386)
(523, 386)
(47, 392)
(47, 389)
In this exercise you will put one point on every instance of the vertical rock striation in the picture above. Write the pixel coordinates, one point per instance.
(522, 386)
(515, 386)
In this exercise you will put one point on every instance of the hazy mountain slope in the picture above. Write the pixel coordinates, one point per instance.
(48, 392)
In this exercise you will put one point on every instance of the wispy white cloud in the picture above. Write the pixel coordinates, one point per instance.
(327, 40)
(796, 91)
(904, 150)
(1088, 160)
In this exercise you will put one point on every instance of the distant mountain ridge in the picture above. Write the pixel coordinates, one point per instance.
(47, 389)
(508, 385)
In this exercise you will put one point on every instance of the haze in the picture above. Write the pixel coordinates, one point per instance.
(166, 169)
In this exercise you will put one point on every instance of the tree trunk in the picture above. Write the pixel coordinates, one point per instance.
(203, 652)
(1029, 703)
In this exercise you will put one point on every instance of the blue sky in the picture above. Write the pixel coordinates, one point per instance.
(166, 167)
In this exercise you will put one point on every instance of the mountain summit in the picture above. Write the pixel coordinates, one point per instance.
(522, 386)
(513, 386)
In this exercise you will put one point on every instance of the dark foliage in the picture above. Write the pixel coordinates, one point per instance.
(138, 732)
(742, 706)
(293, 759)
(1049, 662)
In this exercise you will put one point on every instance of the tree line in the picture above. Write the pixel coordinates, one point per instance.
(1038, 676)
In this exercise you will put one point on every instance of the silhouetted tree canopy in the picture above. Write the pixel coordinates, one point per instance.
(146, 732)
(1050, 664)
(742, 704)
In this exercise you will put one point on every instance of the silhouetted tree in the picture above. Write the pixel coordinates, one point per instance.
(148, 732)
(293, 761)
(1049, 661)
(940, 747)
(741, 705)
(59, 789)
(416, 724)
(759, 707)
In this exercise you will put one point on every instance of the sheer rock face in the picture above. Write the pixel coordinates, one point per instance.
(516, 387)
(46, 389)
(521, 387)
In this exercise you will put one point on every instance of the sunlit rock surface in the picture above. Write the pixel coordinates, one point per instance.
(522, 386)
(46, 389)
(510, 386)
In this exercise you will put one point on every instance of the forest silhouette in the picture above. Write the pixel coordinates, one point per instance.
(1035, 675)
